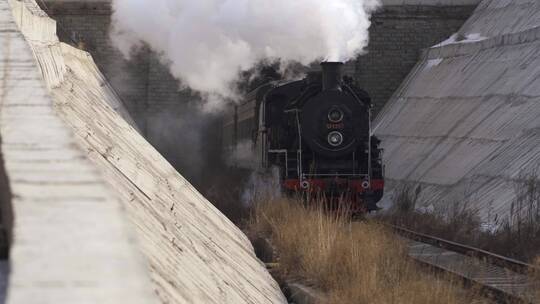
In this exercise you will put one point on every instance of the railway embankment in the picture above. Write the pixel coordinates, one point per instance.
(100, 215)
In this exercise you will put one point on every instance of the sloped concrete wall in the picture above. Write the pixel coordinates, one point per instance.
(465, 124)
(495, 18)
(195, 254)
(71, 241)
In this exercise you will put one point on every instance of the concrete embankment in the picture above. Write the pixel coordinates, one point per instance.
(78, 169)
(71, 243)
(464, 125)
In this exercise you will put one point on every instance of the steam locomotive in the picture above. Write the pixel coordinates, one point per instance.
(316, 132)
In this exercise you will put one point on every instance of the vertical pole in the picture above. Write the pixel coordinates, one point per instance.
(299, 153)
(369, 149)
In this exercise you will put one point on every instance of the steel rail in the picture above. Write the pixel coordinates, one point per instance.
(492, 258)
(506, 277)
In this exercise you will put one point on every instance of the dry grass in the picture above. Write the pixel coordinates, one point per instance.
(457, 221)
(536, 275)
(517, 236)
(351, 262)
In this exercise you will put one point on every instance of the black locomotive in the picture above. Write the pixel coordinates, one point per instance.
(315, 132)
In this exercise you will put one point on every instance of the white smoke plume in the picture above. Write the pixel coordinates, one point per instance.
(208, 42)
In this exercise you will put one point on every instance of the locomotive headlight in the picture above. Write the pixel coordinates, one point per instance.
(335, 115)
(335, 139)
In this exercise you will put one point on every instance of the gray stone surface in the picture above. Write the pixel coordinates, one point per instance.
(72, 243)
(195, 254)
(465, 124)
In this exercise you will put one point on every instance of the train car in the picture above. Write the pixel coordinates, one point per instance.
(315, 132)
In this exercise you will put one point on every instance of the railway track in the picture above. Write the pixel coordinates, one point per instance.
(508, 279)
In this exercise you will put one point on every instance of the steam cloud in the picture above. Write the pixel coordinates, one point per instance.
(207, 43)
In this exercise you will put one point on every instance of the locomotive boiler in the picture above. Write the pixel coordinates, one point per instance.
(315, 132)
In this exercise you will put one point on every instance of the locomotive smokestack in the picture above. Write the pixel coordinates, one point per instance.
(332, 75)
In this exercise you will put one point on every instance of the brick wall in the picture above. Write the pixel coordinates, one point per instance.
(166, 113)
(397, 36)
(153, 96)
(87, 23)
